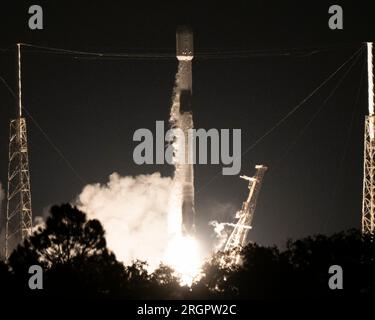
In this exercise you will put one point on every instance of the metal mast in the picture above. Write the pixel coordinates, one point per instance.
(18, 210)
(368, 202)
(237, 239)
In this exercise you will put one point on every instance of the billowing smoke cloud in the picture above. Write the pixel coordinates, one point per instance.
(221, 234)
(38, 223)
(222, 230)
(133, 211)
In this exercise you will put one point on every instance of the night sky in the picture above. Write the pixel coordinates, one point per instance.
(90, 108)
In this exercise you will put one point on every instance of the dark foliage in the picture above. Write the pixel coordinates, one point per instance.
(76, 262)
(301, 271)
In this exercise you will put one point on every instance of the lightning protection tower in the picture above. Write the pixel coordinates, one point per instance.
(18, 209)
(368, 201)
(237, 239)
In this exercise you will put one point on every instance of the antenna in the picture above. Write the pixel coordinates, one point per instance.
(370, 74)
(18, 210)
(19, 80)
(368, 200)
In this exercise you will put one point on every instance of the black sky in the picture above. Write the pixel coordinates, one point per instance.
(90, 108)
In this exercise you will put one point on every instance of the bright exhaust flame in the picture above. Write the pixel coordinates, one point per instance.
(183, 255)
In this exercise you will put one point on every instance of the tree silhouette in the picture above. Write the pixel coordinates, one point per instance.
(72, 251)
(76, 262)
(214, 282)
(67, 236)
(166, 284)
(6, 278)
(312, 256)
(137, 284)
(300, 271)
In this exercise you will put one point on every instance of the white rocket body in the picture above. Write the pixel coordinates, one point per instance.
(185, 170)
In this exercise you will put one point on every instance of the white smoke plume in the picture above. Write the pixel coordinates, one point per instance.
(220, 233)
(175, 107)
(133, 211)
(219, 213)
(175, 201)
(38, 223)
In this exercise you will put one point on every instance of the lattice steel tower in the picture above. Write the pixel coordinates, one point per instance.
(237, 239)
(18, 210)
(368, 202)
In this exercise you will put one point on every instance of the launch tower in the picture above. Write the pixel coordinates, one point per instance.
(18, 209)
(237, 239)
(368, 202)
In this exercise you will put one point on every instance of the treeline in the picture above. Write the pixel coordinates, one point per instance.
(77, 264)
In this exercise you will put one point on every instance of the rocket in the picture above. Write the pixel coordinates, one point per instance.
(184, 53)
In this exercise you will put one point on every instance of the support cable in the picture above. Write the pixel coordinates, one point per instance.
(45, 135)
(288, 115)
